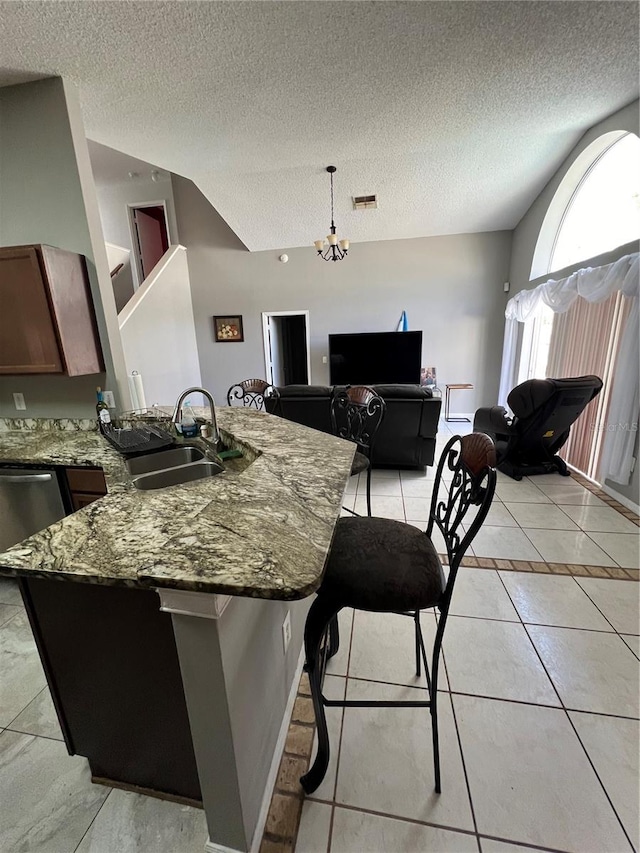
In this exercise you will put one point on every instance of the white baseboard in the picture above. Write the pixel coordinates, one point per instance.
(212, 846)
(621, 499)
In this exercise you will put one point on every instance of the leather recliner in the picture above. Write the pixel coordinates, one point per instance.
(543, 412)
(407, 434)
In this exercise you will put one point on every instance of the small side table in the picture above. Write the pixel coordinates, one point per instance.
(465, 386)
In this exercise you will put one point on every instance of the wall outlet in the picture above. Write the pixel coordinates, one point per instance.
(324, 359)
(19, 402)
(633, 458)
(286, 631)
(108, 398)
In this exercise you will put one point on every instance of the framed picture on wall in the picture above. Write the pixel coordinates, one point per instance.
(228, 329)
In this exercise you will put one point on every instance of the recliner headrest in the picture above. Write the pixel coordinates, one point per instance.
(530, 395)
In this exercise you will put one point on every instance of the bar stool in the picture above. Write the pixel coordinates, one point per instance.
(251, 393)
(386, 566)
(356, 414)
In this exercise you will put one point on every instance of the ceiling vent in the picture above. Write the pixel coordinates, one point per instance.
(365, 202)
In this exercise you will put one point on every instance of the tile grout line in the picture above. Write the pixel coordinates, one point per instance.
(568, 717)
(339, 751)
(93, 820)
(8, 726)
(604, 616)
(547, 624)
(464, 763)
(400, 818)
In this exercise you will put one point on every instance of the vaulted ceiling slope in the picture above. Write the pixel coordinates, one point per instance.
(455, 113)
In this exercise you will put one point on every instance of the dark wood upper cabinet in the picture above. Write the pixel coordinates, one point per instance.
(47, 320)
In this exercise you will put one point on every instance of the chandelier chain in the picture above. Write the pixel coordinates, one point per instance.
(332, 222)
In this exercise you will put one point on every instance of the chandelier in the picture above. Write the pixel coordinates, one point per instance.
(336, 250)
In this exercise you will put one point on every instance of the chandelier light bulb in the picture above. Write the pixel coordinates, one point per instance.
(319, 244)
(344, 245)
(332, 239)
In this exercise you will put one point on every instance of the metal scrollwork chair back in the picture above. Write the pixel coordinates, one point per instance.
(356, 414)
(251, 393)
(387, 566)
(472, 460)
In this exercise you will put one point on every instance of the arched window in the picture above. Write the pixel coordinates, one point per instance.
(596, 207)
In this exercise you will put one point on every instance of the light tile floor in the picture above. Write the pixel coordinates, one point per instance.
(539, 732)
(539, 725)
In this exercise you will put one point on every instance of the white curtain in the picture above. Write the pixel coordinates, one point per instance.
(595, 284)
(622, 423)
(509, 366)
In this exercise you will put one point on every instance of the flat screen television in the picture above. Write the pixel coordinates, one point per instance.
(375, 358)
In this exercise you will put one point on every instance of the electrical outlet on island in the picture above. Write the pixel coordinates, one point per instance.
(108, 398)
(18, 400)
(286, 631)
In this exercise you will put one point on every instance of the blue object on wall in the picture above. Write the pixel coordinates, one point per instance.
(403, 325)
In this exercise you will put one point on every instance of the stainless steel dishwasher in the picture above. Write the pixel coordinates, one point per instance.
(30, 500)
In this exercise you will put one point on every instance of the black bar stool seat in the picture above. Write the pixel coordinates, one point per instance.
(382, 565)
(360, 463)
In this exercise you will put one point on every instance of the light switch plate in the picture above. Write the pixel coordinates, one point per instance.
(107, 396)
(19, 402)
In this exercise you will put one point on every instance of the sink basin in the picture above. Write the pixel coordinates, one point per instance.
(178, 474)
(164, 459)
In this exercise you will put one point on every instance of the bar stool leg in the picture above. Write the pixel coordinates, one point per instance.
(320, 615)
(334, 638)
(369, 490)
(416, 618)
(433, 693)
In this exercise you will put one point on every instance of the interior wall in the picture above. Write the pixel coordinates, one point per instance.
(526, 233)
(158, 334)
(114, 198)
(45, 197)
(451, 288)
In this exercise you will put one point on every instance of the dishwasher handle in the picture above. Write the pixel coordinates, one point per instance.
(25, 478)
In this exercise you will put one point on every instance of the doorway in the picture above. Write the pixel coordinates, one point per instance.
(149, 237)
(286, 347)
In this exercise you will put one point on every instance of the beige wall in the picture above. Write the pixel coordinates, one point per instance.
(46, 197)
(451, 288)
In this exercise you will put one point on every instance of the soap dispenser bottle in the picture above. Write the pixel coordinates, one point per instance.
(189, 423)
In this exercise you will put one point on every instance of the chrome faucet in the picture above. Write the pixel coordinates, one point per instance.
(215, 438)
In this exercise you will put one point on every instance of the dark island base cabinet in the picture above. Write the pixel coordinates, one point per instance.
(111, 662)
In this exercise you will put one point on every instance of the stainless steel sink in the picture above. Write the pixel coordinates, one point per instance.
(178, 474)
(164, 459)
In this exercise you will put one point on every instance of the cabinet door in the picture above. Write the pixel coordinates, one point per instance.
(82, 499)
(28, 341)
(72, 308)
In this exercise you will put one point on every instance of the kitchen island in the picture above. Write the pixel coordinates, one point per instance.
(179, 597)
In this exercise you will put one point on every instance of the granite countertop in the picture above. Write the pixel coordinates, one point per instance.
(263, 532)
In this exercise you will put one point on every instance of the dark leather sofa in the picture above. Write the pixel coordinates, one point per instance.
(407, 435)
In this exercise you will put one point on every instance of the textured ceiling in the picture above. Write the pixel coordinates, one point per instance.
(455, 113)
